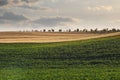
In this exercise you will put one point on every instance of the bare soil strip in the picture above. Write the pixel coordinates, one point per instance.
(42, 37)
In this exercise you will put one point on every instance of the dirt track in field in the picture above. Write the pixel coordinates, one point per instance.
(40, 37)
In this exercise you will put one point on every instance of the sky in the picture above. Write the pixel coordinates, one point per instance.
(59, 14)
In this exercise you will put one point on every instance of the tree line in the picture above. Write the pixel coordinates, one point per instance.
(106, 30)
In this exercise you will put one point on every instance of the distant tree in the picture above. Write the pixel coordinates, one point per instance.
(96, 30)
(60, 30)
(44, 30)
(49, 30)
(52, 30)
(91, 30)
(118, 30)
(32, 30)
(114, 30)
(80, 31)
(77, 30)
(105, 30)
(69, 30)
(85, 30)
(36, 31)
(40, 30)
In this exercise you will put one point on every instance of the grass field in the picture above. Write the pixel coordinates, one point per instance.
(93, 59)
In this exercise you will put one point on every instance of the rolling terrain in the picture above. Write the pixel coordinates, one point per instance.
(43, 37)
(93, 59)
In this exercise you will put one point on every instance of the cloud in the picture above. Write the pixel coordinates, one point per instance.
(3, 2)
(91, 12)
(9, 17)
(53, 21)
(101, 8)
(29, 1)
(35, 8)
(11, 3)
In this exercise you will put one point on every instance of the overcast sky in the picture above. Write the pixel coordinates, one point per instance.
(65, 14)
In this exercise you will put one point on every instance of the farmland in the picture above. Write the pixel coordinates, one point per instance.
(92, 59)
(46, 37)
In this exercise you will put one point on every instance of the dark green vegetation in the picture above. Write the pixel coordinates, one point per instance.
(95, 59)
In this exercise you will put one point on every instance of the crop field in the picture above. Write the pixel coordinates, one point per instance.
(93, 59)
(45, 37)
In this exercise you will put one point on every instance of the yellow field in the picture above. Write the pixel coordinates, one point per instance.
(42, 37)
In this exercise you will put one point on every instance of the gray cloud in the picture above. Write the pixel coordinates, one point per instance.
(10, 3)
(3, 2)
(2, 22)
(30, 1)
(8, 16)
(53, 21)
(35, 8)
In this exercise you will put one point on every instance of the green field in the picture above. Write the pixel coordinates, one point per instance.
(94, 59)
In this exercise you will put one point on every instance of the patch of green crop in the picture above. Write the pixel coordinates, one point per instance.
(94, 59)
(84, 73)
